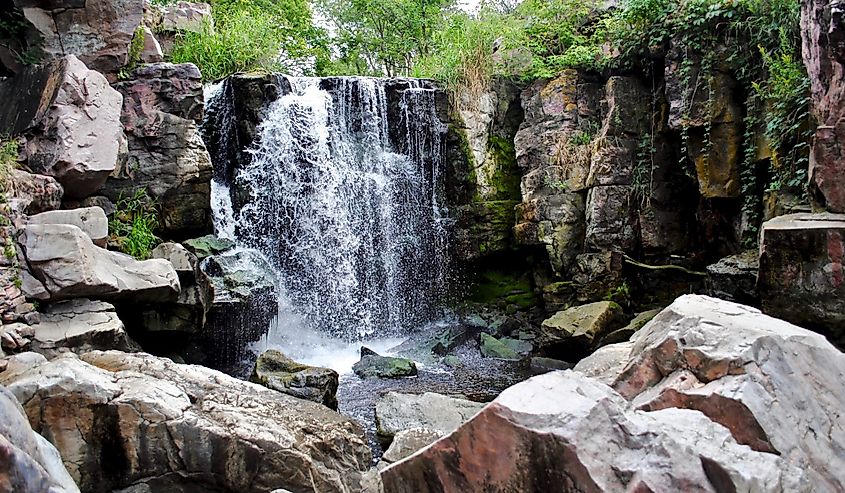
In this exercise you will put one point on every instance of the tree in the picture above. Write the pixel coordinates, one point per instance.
(385, 36)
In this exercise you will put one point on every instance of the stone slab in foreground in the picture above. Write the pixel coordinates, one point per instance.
(134, 420)
(713, 396)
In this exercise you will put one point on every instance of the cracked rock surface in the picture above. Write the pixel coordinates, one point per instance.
(30, 464)
(80, 326)
(711, 396)
(144, 423)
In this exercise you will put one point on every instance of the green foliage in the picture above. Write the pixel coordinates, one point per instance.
(620, 294)
(382, 37)
(462, 53)
(133, 58)
(133, 224)
(785, 94)
(8, 160)
(254, 36)
(642, 183)
(536, 39)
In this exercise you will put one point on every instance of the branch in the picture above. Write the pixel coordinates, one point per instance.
(663, 267)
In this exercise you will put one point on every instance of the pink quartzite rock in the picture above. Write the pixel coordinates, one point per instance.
(823, 33)
(97, 31)
(70, 118)
(711, 396)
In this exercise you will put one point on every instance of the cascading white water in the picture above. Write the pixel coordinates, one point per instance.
(351, 217)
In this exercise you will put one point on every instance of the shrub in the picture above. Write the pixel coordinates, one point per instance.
(133, 224)
(8, 160)
(250, 36)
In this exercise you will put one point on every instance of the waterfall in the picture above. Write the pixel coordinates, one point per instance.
(343, 193)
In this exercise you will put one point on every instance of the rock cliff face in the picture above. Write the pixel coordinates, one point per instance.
(97, 31)
(162, 108)
(823, 33)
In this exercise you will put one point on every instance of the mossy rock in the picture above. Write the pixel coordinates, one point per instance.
(499, 288)
(373, 365)
(494, 348)
(208, 245)
(506, 177)
(584, 324)
(276, 371)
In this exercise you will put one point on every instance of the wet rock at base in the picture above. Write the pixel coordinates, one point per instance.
(708, 396)
(396, 412)
(541, 365)
(243, 284)
(30, 463)
(510, 349)
(426, 344)
(172, 427)
(373, 365)
(276, 371)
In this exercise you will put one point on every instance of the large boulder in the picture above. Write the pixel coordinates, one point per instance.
(801, 277)
(734, 278)
(134, 420)
(709, 396)
(91, 220)
(372, 365)
(822, 32)
(71, 120)
(31, 194)
(162, 107)
(396, 412)
(99, 32)
(276, 371)
(30, 463)
(186, 16)
(582, 325)
(591, 440)
(68, 265)
(80, 326)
